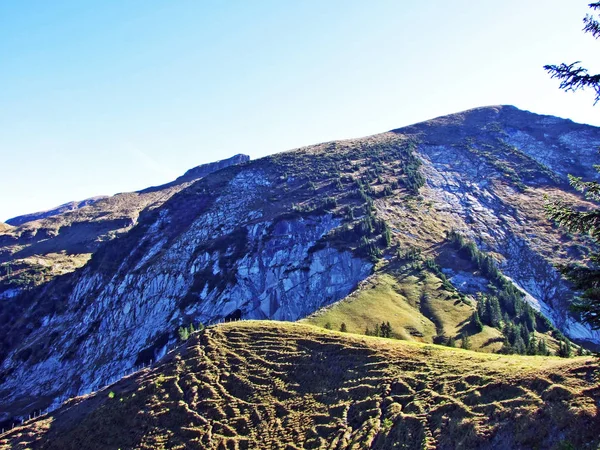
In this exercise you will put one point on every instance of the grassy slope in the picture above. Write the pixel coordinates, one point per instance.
(382, 299)
(282, 385)
(416, 305)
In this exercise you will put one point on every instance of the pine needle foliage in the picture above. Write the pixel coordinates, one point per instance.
(574, 77)
(585, 278)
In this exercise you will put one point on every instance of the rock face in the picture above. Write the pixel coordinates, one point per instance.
(280, 237)
(252, 268)
(465, 158)
(78, 228)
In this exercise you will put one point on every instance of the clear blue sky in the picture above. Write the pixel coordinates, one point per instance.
(106, 96)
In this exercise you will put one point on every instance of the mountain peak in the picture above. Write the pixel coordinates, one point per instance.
(508, 115)
(201, 171)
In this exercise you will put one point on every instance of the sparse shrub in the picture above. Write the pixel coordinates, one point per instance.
(328, 203)
(184, 333)
(386, 424)
(387, 191)
(411, 254)
(343, 327)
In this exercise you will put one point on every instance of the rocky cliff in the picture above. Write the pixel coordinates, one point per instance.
(281, 237)
(46, 244)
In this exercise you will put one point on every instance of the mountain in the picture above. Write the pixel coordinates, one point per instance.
(47, 244)
(279, 385)
(419, 227)
(65, 207)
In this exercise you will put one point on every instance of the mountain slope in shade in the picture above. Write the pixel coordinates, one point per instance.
(284, 236)
(280, 385)
(78, 228)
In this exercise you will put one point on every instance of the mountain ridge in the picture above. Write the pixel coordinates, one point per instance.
(65, 207)
(282, 236)
(46, 244)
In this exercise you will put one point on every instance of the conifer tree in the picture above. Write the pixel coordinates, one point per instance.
(386, 237)
(385, 330)
(507, 348)
(495, 313)
(481, 309)
(564, 349)
(585, 278)
(519, 345)
(532, 347)
(529, 318)
(451, 342)
(466, 342)
(476, 322)
(542, 348)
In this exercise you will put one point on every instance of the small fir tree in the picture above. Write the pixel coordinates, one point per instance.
(184, 333)
(564, 349)
(476, 323)
(466, 342)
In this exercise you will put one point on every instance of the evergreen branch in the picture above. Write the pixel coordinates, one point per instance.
(573, 78)
(588, 303)
(591, 26)
(591, 189)
(574, 221)
(581, 276)
(588, 306)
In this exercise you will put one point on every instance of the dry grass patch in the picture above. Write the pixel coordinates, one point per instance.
(283, 385)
